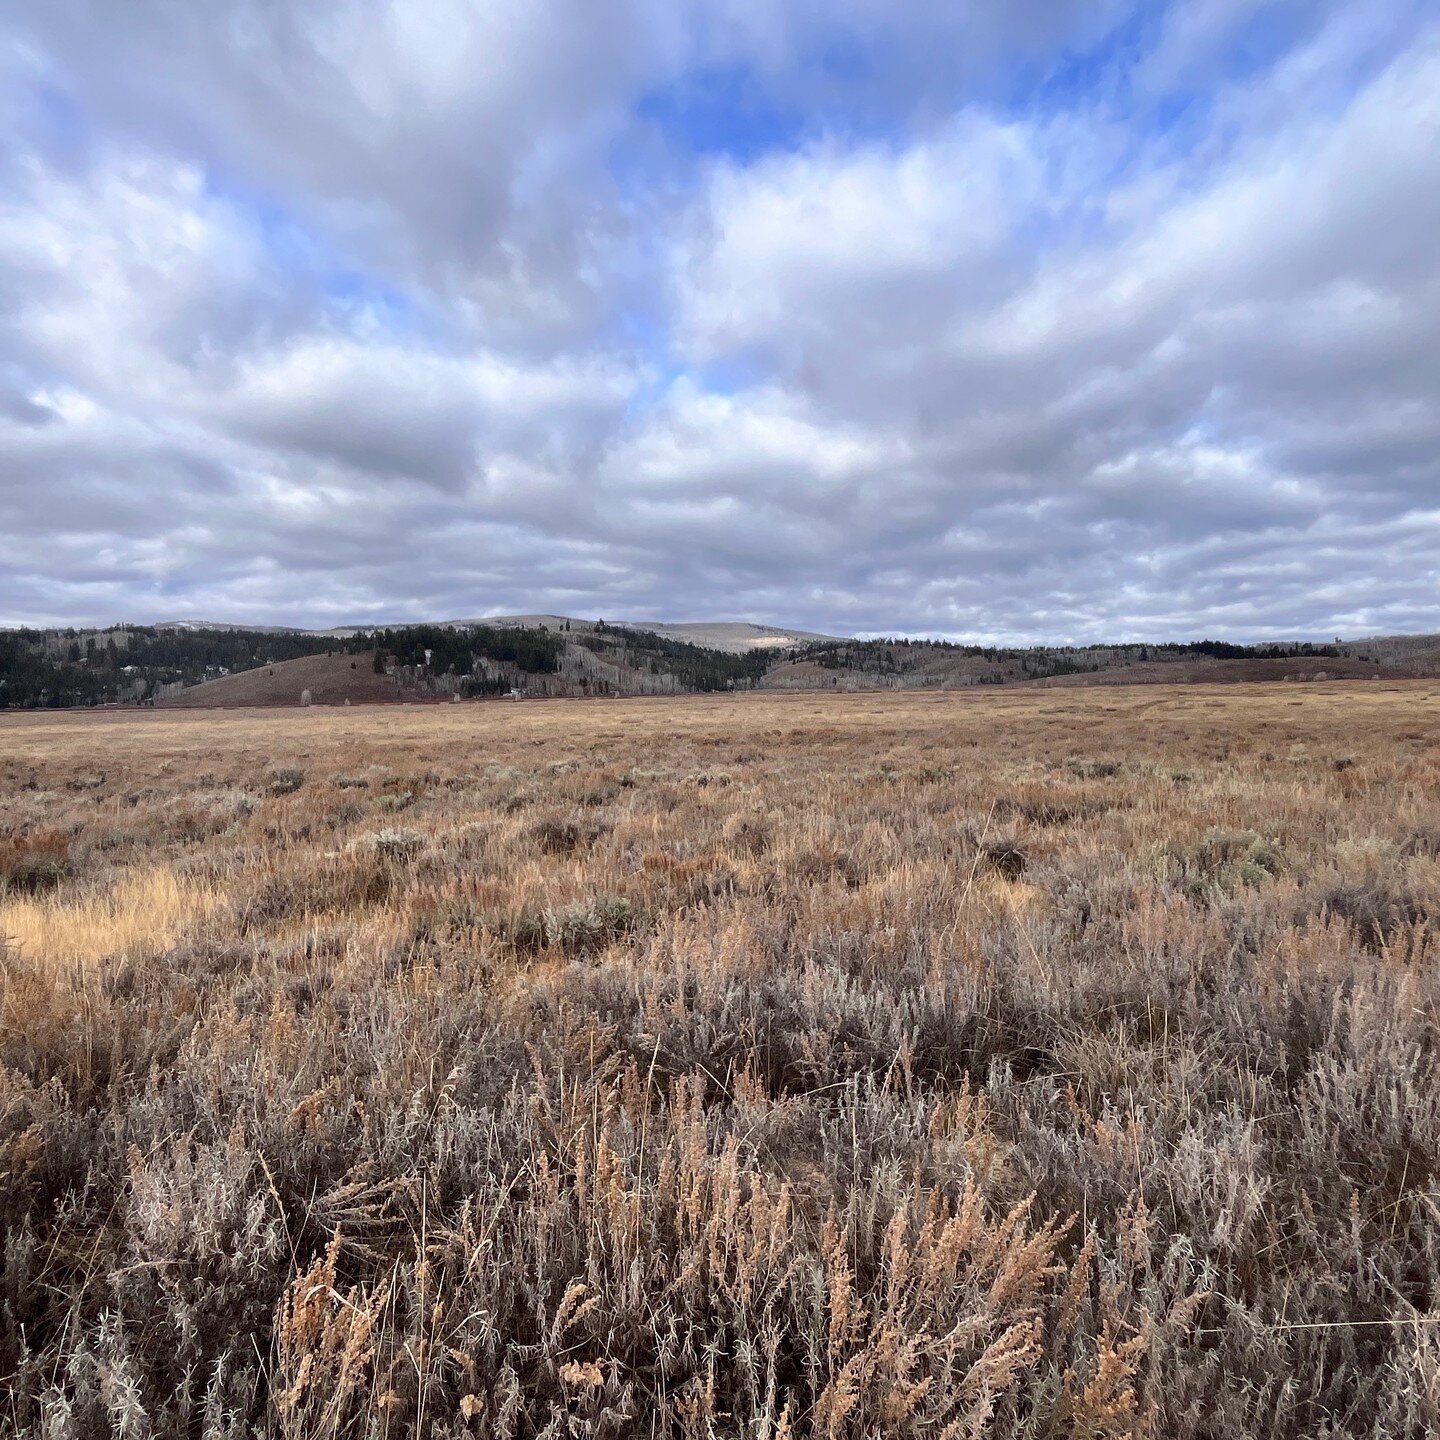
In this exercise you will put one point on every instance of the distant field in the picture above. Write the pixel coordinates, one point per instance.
(1024, 1062)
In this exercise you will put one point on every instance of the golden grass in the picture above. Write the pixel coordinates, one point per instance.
(142, 913)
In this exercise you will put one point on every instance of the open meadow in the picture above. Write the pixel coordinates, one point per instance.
(1002, 1063)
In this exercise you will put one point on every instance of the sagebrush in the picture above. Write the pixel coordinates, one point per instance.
(1023, 1064)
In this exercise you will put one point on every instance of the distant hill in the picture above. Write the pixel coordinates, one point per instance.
(223, 627)
(185, 663)
(328, 679)
(928, 664)
(1420, 653)
(472, 660)
(736, 637)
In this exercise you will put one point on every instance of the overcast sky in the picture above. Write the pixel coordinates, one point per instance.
(1034, 321)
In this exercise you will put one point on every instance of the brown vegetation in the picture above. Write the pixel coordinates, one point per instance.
(941, 667)
(1014, 1063)
(328, 679)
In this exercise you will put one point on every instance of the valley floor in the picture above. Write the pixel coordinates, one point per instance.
(1010, 1062)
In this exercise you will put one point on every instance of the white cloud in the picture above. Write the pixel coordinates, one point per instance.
(380, 307)
(760, 445)
(872, 237)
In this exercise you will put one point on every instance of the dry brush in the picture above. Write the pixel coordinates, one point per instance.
(1008, 1065)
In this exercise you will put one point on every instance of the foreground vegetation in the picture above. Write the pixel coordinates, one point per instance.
(1049, 1063)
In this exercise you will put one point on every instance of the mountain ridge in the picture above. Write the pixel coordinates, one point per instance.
(192, 662)
(732, 636)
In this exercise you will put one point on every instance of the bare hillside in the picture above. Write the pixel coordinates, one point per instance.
(330, 679)
(738, 637)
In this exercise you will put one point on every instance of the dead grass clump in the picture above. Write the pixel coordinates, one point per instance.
(1423, 841)
(1104, 769)
(588, 925)
(563, 837)
(823, 865)
(350, 884)
(34, 864)
(697, 881)
(750, 835)
(592, 796)
(1005, 858)
(1378, 909)
(1038, 811)
(326, 1343)
(274, 899)
(581, 927)
(394, 842)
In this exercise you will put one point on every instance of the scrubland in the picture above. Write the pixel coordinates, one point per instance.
(994, 1064)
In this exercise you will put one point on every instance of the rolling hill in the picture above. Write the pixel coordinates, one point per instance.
(334, 679)
(734, 637)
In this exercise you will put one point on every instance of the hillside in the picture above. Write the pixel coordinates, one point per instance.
(737, 637)
(1417, 653)
(1206, 670)
(139, 664)
(182, 663)
(925, 664)
(610, 661)
(330, 679)
(734, 637)
(446, 662)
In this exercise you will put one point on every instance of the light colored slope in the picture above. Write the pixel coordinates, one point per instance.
(736, 636)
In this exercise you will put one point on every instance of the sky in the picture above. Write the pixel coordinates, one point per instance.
(1038, 322)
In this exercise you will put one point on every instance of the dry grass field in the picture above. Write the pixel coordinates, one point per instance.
(1050, 1063)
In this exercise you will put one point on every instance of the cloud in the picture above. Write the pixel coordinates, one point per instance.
(406, 412)
(863, 238)
(1050, 322)
(453, 146)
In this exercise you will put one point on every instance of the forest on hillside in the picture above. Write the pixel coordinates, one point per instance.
(65, 668)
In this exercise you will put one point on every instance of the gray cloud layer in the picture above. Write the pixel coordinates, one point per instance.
(1066, 326)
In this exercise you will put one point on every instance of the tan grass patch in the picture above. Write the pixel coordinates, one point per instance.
(143, 912)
